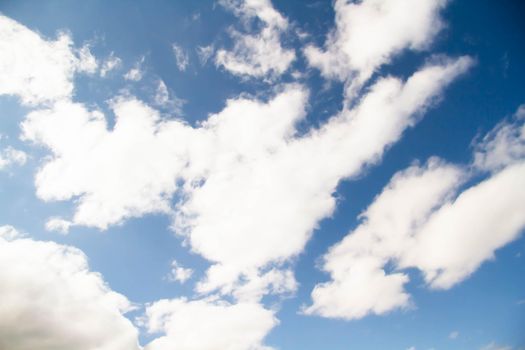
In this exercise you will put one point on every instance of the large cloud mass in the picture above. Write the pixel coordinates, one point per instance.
(247, 179)
(245, 188)
(35, 69)
(417, 222)
(50, 300)
(371, 33)
(208, 325)
(259, 54)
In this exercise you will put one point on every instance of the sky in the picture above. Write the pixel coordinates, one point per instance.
(262, 175)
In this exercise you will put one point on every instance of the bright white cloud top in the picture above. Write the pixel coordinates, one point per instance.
(260, 54)
(371, 33)
(208, 324)
(247, 186)
(38, 70)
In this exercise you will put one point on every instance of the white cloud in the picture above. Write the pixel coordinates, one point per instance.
(10, 156)
(254, 285)
(86, 61)
(462, 234)
(163, 99)
(162, 96)
(9, 233)
(50, 300)
(359, 284)
(504, 145)
(370, 33)
(58, 225)
(261, 54)
(414, 223)
(208, 325)
(126, 172)
(181, 57)
(244, 179)
(179, 273)
(453, 335)
(39, 70)
(247, 179)
(282, 186)
(136, 72)
(205, 53)
(109, 64)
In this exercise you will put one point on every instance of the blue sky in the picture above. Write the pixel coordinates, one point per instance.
(256, 174)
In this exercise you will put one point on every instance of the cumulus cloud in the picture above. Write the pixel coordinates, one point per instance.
(181, 57)
(126, 172)
(421, 221)
(58, 225)
(278, 185)
(50, 300)
(261, 54)
(245, 179)
(462, 234)
(369, 33)
(38, 70)
(8, 233)
(179, 273)
(208, 325)
(10, 156)
(359, 284)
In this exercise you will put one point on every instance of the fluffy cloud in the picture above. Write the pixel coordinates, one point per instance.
(260, 54)
(50, 300)
(8, 233)
(58, 225)
(246, 179)
(179, 273)
(462, 234)
(417, 223)
(359, 284)
(128, 171)
(243, 178)
(208, 325)
(370, 33)
(39, 70)
(10, 156)
(279, 186)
